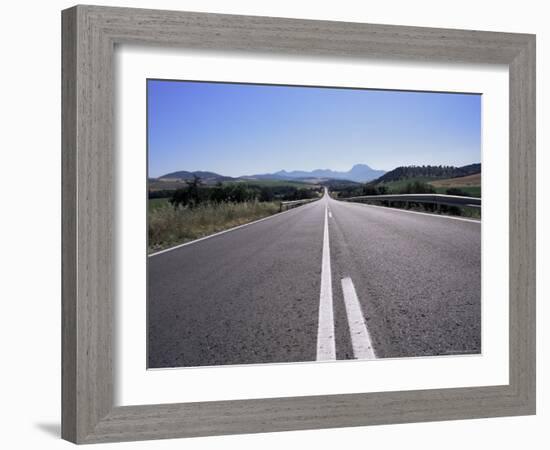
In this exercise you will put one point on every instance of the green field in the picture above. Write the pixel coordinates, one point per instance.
(394, 187)
(470, 184)
(168, 226)
(440, 186)
(156, 203)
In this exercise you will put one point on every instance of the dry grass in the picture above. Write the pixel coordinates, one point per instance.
(469, 180)
(169, 226)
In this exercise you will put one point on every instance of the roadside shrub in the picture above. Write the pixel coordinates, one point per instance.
(457, 191)
(168, 225)
(370, 189)
(194, 193)
(418, 187)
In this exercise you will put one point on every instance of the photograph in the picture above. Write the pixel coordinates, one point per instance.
(308, 224)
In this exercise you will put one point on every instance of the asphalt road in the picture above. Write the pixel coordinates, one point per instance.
(327, 280)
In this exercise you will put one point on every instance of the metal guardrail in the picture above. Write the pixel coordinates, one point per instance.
(438, 199)
(293, 204)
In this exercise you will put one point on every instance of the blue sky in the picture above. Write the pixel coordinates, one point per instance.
(243, 129)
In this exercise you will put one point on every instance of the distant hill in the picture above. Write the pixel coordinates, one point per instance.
(360, 173)
(470, 169)
(404, 172)
(206, 177)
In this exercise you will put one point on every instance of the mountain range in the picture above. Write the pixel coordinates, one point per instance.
(360, 173)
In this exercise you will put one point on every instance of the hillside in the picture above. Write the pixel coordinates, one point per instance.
(470, 185)
(468, 180)
(206, 177)
(428, 172)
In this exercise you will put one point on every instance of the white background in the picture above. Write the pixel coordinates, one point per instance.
(30, 223)
(135, 386)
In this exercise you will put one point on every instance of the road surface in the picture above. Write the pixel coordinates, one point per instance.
(327, 280)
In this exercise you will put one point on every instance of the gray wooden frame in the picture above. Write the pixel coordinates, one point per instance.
(89, 36)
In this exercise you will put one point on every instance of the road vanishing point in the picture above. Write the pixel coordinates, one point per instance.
(328, 280)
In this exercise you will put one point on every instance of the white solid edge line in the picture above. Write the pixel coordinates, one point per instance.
(326, 347)
(227, 231)
(360, 337)
(387, 208)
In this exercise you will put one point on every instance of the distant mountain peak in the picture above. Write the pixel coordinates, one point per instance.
(359, 172)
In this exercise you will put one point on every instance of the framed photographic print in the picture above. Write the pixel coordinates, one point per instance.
(268, 223)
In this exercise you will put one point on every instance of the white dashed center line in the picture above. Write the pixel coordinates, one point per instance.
(360, 337)
(326, 347)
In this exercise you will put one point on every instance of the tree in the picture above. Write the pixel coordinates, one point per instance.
(418, 187)
(266, 194)
(193, 188)
(189, 195)
(370, 189)
(218, 193)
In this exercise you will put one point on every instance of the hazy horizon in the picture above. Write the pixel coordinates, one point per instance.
(298, 170)
(247, 129)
